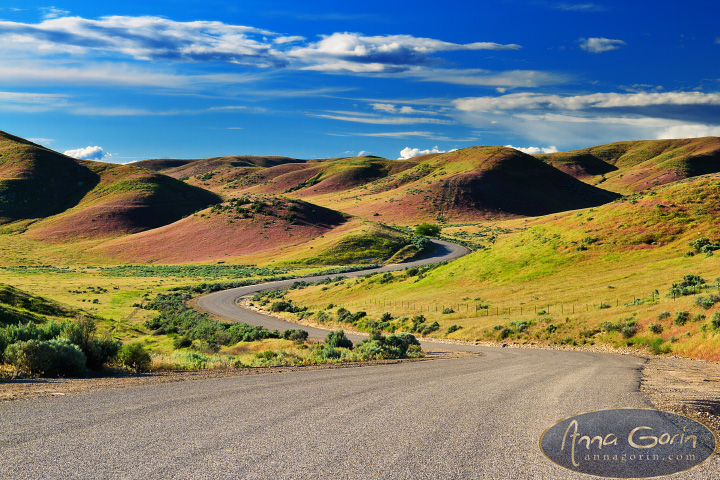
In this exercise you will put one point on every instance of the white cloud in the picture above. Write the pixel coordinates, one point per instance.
(52, 12)
(689, 131)
(408, 152)
(290, 39)
(574, 121)
(88, 153)
(486, 78)
(161, 39)
(525, 101)
(354, 52)
(535, 150)
(600, 45)
(384, 120)
(403, 110)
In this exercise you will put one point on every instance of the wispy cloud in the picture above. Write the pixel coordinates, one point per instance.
(356, 53)
(577, 7)
(600, 45)
(52, 12)
(378, 120)
(162, 39)
(594, 118)
(534, 101)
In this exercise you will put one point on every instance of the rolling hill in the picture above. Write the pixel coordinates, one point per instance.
(471, 184)
(127, 199)
(627, 167)
(36, 182)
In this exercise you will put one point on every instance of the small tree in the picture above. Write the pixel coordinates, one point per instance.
(428, 230)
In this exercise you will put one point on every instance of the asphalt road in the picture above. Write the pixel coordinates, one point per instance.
(478, 417)
(222, 304)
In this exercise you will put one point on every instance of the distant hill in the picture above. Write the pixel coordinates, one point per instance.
(36, 182)
(470, 184)
(627, 167)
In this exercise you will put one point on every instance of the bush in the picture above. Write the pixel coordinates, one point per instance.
(447, 310)
(663, 315)
(681, 318)
(182, 342)
(134, 356)
(453, 328)
(629, 329)
(98, 351)
(428, 230)
(51, 358)
(296, 335)
(337, 339)
(504, 333)
(655, 328)
(715, 321)
(706, 303)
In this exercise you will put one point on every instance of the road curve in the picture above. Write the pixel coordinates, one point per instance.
(222, 304)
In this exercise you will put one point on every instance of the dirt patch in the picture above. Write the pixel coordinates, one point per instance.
(684, 386)
(23, 388)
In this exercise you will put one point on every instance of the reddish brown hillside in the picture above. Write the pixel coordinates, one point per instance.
(242, 226)
(127, 199)
(627, 167)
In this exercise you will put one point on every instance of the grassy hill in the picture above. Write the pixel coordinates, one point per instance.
(627, 167)
(257, 228)
(36, 182)
(127, 199)
(466, 185)
(603, 275)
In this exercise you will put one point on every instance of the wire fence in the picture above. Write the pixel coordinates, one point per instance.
(483, 310)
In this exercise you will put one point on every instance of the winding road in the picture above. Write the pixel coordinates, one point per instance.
(473, 417)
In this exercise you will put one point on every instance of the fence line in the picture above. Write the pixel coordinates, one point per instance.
(481, 310)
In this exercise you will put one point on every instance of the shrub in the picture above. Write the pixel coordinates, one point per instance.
(629, 329)
(663, 315)
(447, 310)
(706, 303)
(699, 317)
(715, 321)
(655, 328)
(50, 358)
(337, 339)
(551, 328)
(182, 342)
(428, 230)
(453, 328)
(134, 356)
(681, 318)
(504, 333)
(604, 305)
(296, 335)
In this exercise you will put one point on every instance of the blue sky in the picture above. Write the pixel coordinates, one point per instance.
(130, 80)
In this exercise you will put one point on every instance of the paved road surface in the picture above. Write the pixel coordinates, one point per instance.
(222, 304)
(475, 417)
